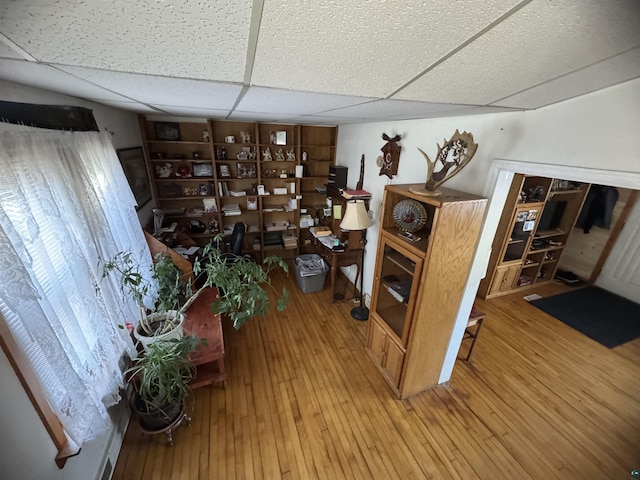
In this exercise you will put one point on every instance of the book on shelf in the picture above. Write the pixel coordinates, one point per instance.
(289, 239)
(194, 212)
(223, 189)
(237, 193)
(320, 231)
(273, 208)
(210, 205)
(356, 194)
(276, 226)
(170, 229)
(231, 209)
(230, 206)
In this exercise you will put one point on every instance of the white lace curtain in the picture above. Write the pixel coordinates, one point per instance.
(65, 203)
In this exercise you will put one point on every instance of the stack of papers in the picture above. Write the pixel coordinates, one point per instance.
(231, 209)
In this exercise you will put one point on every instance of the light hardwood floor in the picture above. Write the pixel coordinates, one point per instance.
(538, 401)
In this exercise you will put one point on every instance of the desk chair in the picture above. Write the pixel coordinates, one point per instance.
(237, 239)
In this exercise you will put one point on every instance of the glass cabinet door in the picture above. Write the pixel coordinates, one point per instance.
(396, 288)
(523, 226)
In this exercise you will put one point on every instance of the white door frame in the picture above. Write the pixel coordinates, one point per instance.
(497, 186)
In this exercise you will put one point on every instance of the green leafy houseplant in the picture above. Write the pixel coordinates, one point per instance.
(160, 376)
(242, 285)
(241, 282)
(167, 289)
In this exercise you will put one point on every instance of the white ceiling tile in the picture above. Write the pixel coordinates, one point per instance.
(361, 48)
(131, 106)
(540, 42)
(276, 101)
(7, 52)
(392, 108)
(594, 77)
(180, 38)
(192, 112)
(329, 120)
(163, 90)
(320, 62)
(463, 111)
(242, 116)
(49, 78)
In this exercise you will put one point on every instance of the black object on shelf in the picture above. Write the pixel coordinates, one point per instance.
(337, 176)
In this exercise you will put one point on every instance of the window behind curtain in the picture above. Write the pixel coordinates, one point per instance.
(64, 204)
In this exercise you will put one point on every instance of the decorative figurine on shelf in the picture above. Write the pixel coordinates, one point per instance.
(246, 137)
(266, 155)
(291, 155)
(360, 183)
(280, 155)
(213, 225)
(453, 155)
(164, 170)
(251, 153)
(183, 171)
(390, 156)
(205, 136)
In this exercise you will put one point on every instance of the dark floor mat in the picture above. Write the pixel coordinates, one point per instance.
(602, 316)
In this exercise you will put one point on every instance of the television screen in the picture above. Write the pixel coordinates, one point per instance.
(552, 215)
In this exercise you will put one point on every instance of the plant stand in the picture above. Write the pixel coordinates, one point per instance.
(168, 430)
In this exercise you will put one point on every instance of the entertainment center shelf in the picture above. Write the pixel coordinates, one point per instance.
(536, 222)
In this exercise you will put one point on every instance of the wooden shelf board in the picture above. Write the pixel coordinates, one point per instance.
(547, 249)
(549, 233)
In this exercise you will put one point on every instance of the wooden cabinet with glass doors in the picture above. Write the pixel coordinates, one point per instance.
(536, 222)
(418, 285)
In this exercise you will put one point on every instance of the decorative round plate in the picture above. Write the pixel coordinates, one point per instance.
(409, 215)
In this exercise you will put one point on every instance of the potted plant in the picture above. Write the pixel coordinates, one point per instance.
(160, 377)
(162, 296)
(242, 283)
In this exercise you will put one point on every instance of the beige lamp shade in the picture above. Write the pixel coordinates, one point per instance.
(356, 216)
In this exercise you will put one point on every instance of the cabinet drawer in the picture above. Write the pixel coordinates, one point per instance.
(387, 354)
(505, 279)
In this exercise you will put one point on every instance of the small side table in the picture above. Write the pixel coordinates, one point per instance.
(476, 318)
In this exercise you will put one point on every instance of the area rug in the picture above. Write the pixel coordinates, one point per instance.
(601, 315)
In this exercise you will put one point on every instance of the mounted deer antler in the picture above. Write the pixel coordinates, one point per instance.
(454, 154)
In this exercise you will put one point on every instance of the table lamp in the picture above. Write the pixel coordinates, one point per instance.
(357, 218)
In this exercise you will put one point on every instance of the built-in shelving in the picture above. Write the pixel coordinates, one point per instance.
(211, 159)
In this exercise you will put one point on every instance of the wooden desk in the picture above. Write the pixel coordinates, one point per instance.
(339, 259)
(204, 324)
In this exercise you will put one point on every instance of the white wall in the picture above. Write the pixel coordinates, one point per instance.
(28, 452)
(595, 131)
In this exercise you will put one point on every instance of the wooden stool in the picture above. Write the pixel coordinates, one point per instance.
(476, 317)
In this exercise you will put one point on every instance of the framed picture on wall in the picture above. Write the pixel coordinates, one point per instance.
(168, 131)
(135, 169)
(224, 170)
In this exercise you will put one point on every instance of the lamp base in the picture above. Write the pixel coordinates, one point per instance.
(360, 313)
